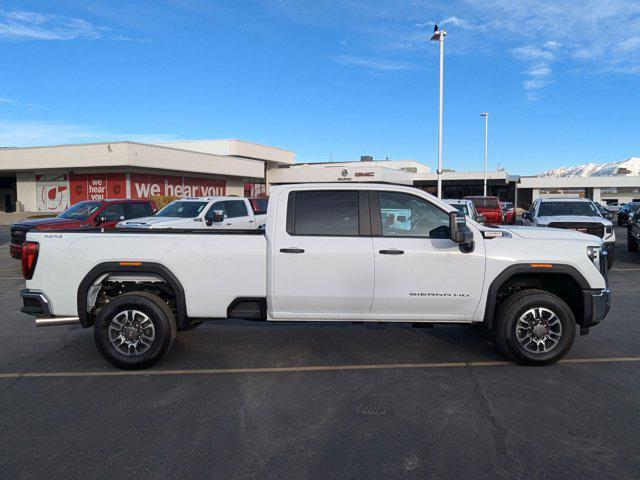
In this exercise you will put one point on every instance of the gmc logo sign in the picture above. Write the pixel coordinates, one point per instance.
(363, 174)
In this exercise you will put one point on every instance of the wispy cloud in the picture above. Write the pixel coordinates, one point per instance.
(23, 25)
(373, 63)
(539, 60)
(20, 25)
(8, 101)
(34, 133)
(125, 38)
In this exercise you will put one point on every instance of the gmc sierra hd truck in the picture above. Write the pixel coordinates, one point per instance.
(330, 252)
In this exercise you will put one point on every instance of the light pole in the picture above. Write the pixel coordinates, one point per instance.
(438, 36)
(486, 147)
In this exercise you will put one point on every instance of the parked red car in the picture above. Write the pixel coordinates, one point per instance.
(88, 214)
(509, 212)
(489, 207)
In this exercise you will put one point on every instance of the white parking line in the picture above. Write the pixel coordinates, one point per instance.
(311, 368)
(625, 269)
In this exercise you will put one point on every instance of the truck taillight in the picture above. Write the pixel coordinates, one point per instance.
(29, 259)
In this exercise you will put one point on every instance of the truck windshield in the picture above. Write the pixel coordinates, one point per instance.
(80, 211)
(554, 209)
(485, 203)
(182, 209)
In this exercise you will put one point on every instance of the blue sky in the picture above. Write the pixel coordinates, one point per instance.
(330, 79)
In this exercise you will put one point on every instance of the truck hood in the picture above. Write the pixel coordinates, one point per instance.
(155, 222)
(572, 219)
(549, 233)
(50, 223)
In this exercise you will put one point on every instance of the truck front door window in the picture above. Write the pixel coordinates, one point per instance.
(236, 208)
(113, 212)
(406, 215)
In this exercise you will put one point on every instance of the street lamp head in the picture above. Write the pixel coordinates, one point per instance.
(438, 34)
(484, 114)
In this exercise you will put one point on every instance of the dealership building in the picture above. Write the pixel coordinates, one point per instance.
(50, 179)
(520, 190)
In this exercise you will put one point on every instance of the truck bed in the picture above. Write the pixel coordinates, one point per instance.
(214, 267)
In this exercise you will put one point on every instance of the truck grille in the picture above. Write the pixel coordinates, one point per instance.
(596, 229)
(18, 235)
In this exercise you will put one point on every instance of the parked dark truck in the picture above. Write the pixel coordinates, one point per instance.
(88, 214)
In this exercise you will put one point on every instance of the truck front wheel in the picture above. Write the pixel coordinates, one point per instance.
(535, 327)
(134, 330)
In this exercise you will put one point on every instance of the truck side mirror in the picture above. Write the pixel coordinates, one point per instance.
(526, 215)
(100, 219)
(218, 216)
(459, 231)
(480, 218)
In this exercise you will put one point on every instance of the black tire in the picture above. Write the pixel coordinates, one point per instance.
(517, 305)
(610, 257)
(157, 311)
(632, 244)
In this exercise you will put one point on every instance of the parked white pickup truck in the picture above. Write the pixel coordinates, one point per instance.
(330, 252)
(202, 213)
(579, 214)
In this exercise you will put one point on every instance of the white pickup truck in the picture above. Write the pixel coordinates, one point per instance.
(202, 213)
(330, 252)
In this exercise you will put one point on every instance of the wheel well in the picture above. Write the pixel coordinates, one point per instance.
(562, 285)
(109, 286)
(108, 281)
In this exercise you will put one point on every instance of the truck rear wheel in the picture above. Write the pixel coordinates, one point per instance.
(134, 330)
(535, 327)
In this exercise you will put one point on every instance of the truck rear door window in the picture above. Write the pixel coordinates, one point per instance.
(325, 213)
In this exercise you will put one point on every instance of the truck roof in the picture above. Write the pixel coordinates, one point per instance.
(564, 199)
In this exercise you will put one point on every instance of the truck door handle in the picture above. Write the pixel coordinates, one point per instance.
(392, 251)
(292, 250)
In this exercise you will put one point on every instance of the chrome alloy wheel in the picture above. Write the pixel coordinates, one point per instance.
(131, 332)
(538, 330)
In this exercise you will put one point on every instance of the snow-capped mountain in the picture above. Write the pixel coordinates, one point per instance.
(630, 166)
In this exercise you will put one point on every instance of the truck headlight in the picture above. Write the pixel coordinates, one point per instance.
(593, 252)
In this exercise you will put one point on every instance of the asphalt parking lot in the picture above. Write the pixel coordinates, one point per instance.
(244, 400)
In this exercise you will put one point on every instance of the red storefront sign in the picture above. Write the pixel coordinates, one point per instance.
(100, 186)
(97, 186)
(144, 186)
